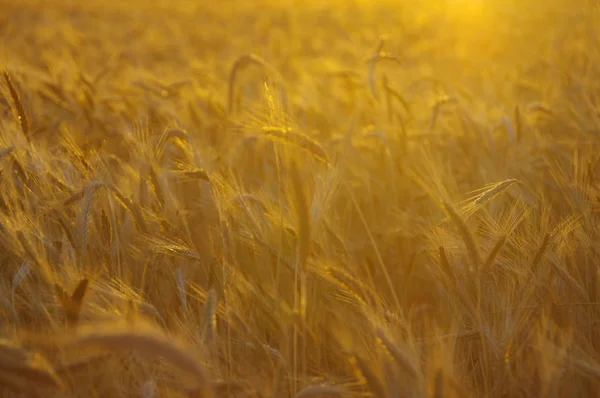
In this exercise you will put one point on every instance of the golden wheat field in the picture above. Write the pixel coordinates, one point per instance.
(299, 198)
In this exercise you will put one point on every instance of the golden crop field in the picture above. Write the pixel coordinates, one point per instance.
(299, 198)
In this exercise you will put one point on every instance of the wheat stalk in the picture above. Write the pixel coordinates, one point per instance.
(466, 234)
(303, 217)
(494, 252)
(539, 254)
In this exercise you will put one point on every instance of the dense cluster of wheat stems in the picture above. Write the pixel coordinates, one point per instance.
(243, 200)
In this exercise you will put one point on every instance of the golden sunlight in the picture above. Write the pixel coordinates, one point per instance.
(299, 198)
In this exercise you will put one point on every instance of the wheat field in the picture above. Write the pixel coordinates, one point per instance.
(299, 198)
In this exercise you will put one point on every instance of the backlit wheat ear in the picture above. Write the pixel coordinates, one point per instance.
(168, 247)
(142, 337)
(494, 191)
(169, 135)
(90, 187)
(466, 234)
(18, 108)
(300, 140)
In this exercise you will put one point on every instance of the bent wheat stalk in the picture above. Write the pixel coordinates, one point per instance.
(143, 337)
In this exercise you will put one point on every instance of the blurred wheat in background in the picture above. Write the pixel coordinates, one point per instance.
(299, 199)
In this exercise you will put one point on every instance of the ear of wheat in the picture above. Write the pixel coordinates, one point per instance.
(494, 190)
(18, 108)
